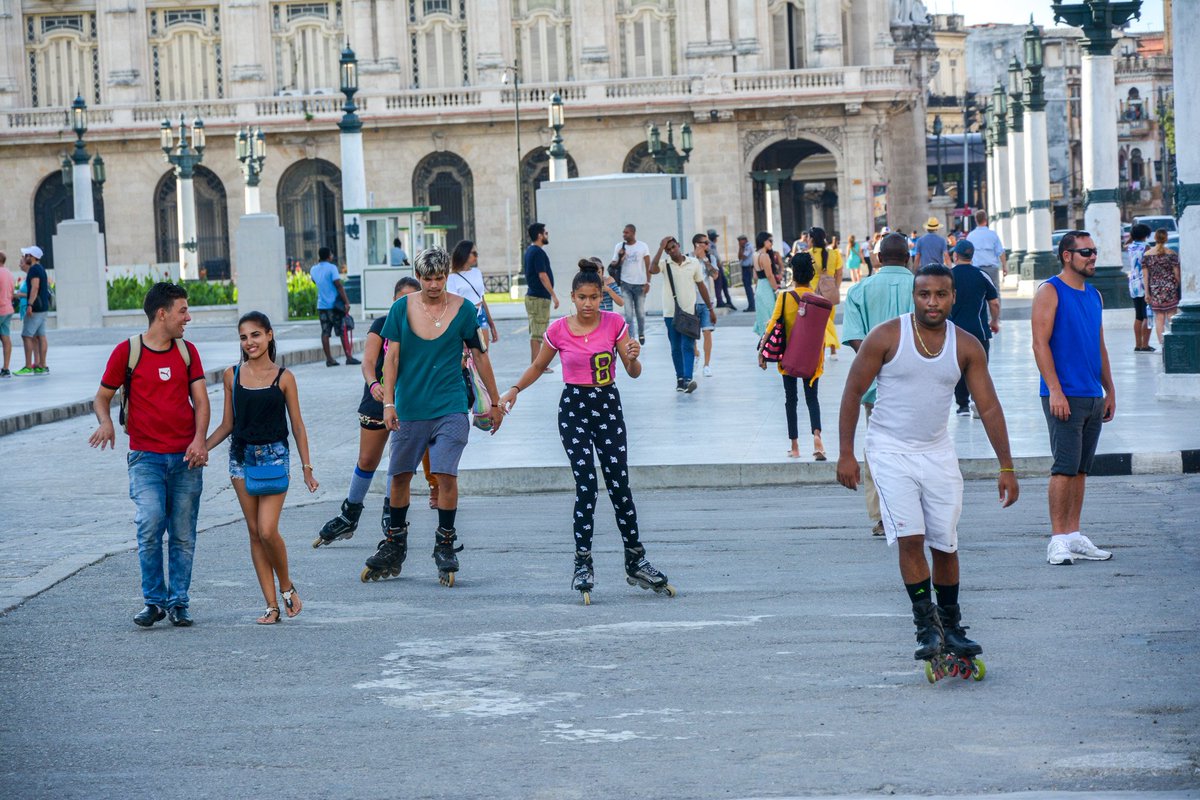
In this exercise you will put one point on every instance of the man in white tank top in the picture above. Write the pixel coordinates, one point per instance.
(918, 358)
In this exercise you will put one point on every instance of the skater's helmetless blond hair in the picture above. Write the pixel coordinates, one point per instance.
(432, 262)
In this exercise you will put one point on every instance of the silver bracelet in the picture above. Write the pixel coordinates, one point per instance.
(389, 405)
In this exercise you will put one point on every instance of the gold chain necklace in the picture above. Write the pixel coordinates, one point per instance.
(437, 321)
(917, 331)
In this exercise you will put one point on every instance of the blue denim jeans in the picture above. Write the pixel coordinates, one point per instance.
(683, 352)
(166, 494)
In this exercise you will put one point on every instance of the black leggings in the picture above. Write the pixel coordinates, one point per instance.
(590, 417)
(791, 399)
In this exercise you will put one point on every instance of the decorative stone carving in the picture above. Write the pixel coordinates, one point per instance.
(830, 134)
(909, 12)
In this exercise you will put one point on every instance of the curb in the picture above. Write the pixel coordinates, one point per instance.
(82, 408)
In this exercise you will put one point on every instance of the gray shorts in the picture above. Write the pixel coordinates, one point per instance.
(1073, 443)
(34, 324)
(444, 438)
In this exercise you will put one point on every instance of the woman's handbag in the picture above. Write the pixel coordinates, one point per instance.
(264, 479)
(261, 479)
(481, 403)
(773, 343)
(802, 355)
(685, 323)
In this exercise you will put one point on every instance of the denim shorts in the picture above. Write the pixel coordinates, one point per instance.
(444, 437)
(256, 455)
(1073, 442)
(4, 324)
(706, 320)
(34, 324)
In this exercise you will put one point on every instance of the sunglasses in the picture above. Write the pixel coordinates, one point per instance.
(1086, 252)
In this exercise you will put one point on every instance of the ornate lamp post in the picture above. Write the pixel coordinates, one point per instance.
(81, 171)
(999, 120)
(669, 159)
(1016, 164)
(1098, 19)
(557, 153)
(252, 152)
(185, 154)
(354, 168)
(940, 189)
(1039, 260)
(514, 69)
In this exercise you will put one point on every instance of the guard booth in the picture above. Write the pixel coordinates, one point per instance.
(381, 226)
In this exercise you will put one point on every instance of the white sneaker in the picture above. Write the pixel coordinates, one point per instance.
(1057, 551)
(1082, 547)
(974, 412)
(707, 371)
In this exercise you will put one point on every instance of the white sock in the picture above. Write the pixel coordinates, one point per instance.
(1073, 536)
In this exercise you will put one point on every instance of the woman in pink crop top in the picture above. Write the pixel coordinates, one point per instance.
(591, 424)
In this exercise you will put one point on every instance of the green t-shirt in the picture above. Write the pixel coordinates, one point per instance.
(430, 369)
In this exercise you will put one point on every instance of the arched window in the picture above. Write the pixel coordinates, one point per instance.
(438, 43)
(63, 59)
(185, 54)
(647, 39)
(310, 209)
(639, 160)
(307, 39)
(788, 36)
(444, 179)
(542, 33)
(1137, 169)
(535, 168)
(212, 222)
(53, 202)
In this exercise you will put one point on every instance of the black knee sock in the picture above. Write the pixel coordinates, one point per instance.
(399, 515)
(947, 595)
(919, 591)
(446, 518)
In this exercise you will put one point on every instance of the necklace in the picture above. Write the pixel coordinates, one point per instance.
(917, 331)
(437, 321)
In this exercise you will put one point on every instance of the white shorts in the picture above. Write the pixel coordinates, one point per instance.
(920, 494)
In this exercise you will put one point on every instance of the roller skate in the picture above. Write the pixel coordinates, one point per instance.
(342, 526)
(640, 572)
(444, 555)
(584, 578)
(385, 521)
(958, 655)
(389, 558)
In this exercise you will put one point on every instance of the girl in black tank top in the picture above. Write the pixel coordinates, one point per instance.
(260, 397)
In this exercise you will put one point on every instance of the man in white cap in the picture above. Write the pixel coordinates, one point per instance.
(931, 248)
(33, 331)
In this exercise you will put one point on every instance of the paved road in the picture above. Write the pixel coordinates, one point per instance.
(783, 667)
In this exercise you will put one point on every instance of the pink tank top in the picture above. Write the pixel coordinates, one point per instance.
(587, 360)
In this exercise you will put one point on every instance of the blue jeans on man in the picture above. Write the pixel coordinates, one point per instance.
(166, 494)
(683, 351)
(748, 285)
(635, 307)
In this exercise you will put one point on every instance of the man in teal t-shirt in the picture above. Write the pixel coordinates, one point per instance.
(428, 331)
(872, 301)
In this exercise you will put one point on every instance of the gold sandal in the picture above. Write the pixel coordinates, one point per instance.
(267, 618)
(294, 606)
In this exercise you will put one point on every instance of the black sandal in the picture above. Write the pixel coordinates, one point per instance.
(290, 603)
(266, 618)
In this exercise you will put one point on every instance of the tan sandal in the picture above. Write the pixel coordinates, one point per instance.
(269, 617)
(292, 601)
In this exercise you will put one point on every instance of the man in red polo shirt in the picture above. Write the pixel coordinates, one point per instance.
(166, 416)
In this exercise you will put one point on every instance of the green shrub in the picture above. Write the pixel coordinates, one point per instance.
(128, 293)
(302, 296)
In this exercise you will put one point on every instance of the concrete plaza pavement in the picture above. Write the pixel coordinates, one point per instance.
(783, 668)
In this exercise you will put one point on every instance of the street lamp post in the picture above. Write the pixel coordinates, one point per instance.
(1101, 214)
(669, 159)
(999, 120)
(1016, 164)
(1040, 262)
(514, 70)
(940, 189)
(354, 168)
(252, 152)
(557, 152)
(81, 171)
(185, 153)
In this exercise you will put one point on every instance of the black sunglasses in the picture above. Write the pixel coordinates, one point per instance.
(1086, 252)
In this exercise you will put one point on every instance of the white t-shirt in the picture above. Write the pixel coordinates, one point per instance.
(686, 275)
(468, 284)
(633, 268)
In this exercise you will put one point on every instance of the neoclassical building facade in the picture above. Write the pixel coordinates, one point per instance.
(829, 92)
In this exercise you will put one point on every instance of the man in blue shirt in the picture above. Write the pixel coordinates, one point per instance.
(330, 293)
(871, 302)
(539, 283)
(33, 328)
(975, 301)
(931, 248)
(989, 250)
(1077, 389)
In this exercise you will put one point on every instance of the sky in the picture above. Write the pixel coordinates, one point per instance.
(979, 12)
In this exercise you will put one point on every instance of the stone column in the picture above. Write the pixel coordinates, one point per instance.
(1016, 184)
(771, 180)
(253, 201)
(81, 293)
(123, 49)
(246, 43)
(354, 189)
(1040, 262)
(260, 255)
(594, 27)
(1181, 351)
(81, 186)
(747, 40)
(12, 52)
(999, 221)
(827, 38)
(185, 208)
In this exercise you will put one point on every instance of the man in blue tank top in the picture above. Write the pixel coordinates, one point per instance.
(1076, 387)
